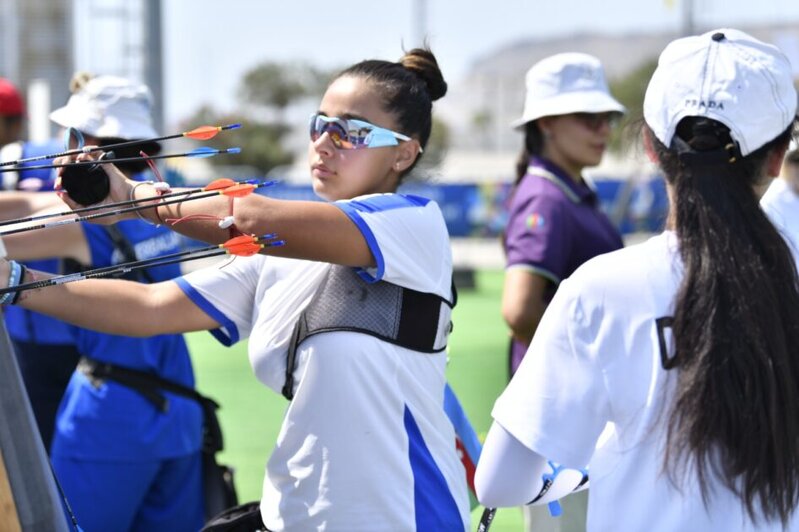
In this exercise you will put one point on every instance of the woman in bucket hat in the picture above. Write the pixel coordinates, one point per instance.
(125, 461)
(683, 349)
(555, 223)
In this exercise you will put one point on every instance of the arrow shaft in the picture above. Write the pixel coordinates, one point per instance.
(104, 214)
(115, 212)
(163, 260)
(114, 161)
(130, 202)
(205, 136)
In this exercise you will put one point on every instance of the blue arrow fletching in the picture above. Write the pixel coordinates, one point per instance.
(203, 152)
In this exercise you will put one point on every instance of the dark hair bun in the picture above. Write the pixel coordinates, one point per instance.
(423, 63)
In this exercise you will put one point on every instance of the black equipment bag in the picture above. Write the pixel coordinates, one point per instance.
(243, 518)
(219, 490)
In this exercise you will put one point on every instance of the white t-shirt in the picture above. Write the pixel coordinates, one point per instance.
(781, 204)
(365, 443)
(596, 360)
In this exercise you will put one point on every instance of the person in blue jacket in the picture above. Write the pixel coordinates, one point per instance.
(127, 458)
(44, 347)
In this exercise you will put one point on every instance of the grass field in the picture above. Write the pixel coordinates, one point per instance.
(251, 414)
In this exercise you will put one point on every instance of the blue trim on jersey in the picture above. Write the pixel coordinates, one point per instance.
(376, 203)
(371, 241)
(385, 202)
(206, 306)
(435, 507)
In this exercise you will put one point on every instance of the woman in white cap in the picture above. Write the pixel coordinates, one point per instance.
(683, 348)
(555, 222)
(126, 458)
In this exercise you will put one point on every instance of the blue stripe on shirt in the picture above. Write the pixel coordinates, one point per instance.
(372, 204)
(435, 507)
(206, 306)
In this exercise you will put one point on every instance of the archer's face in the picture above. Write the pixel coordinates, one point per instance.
(340, 173)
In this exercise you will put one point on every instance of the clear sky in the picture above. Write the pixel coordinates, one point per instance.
(209, 44)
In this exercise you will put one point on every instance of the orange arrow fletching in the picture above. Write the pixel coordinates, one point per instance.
(203, 132)
(243, 245)
(218, 184)
(238, 191)
(245, 250)
(239, 240)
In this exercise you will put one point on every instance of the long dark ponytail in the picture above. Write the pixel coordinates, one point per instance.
(736, 325)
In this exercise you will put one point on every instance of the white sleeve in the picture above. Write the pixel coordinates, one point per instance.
(556, 404)
(227, 293)
(408, 239)
(508, 473)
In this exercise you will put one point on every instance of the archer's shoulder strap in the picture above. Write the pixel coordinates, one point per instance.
(128, 252)
(344, 302)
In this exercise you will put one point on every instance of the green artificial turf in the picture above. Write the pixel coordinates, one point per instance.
(251, 414)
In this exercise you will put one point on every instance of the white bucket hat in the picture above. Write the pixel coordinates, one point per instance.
(728, 76)
(109, 106)
(566, 83)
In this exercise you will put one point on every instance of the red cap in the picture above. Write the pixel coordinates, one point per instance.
(11, 103)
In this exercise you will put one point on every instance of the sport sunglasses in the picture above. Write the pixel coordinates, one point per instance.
(353, 134)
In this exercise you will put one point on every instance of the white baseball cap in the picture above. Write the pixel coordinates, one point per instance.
(728, 76)
(109, 106)
(566, 83)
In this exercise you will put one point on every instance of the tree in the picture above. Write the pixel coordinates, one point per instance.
(265, 93)
(276, 85)
(436, 148)
(482, 121)
(630, 91)
(261, 143)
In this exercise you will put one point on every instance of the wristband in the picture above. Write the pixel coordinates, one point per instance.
(3, 252)
(14, 275)
(160, 188)
(23, 271)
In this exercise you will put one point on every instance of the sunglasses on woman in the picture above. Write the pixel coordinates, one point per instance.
(353, 134)
(595, 121)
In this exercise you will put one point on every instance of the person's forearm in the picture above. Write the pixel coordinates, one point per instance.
(524, 322)
(18, 204)
(67, 240)
(523, 302)
(109, 306)
(508, 473)
(311, 230)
